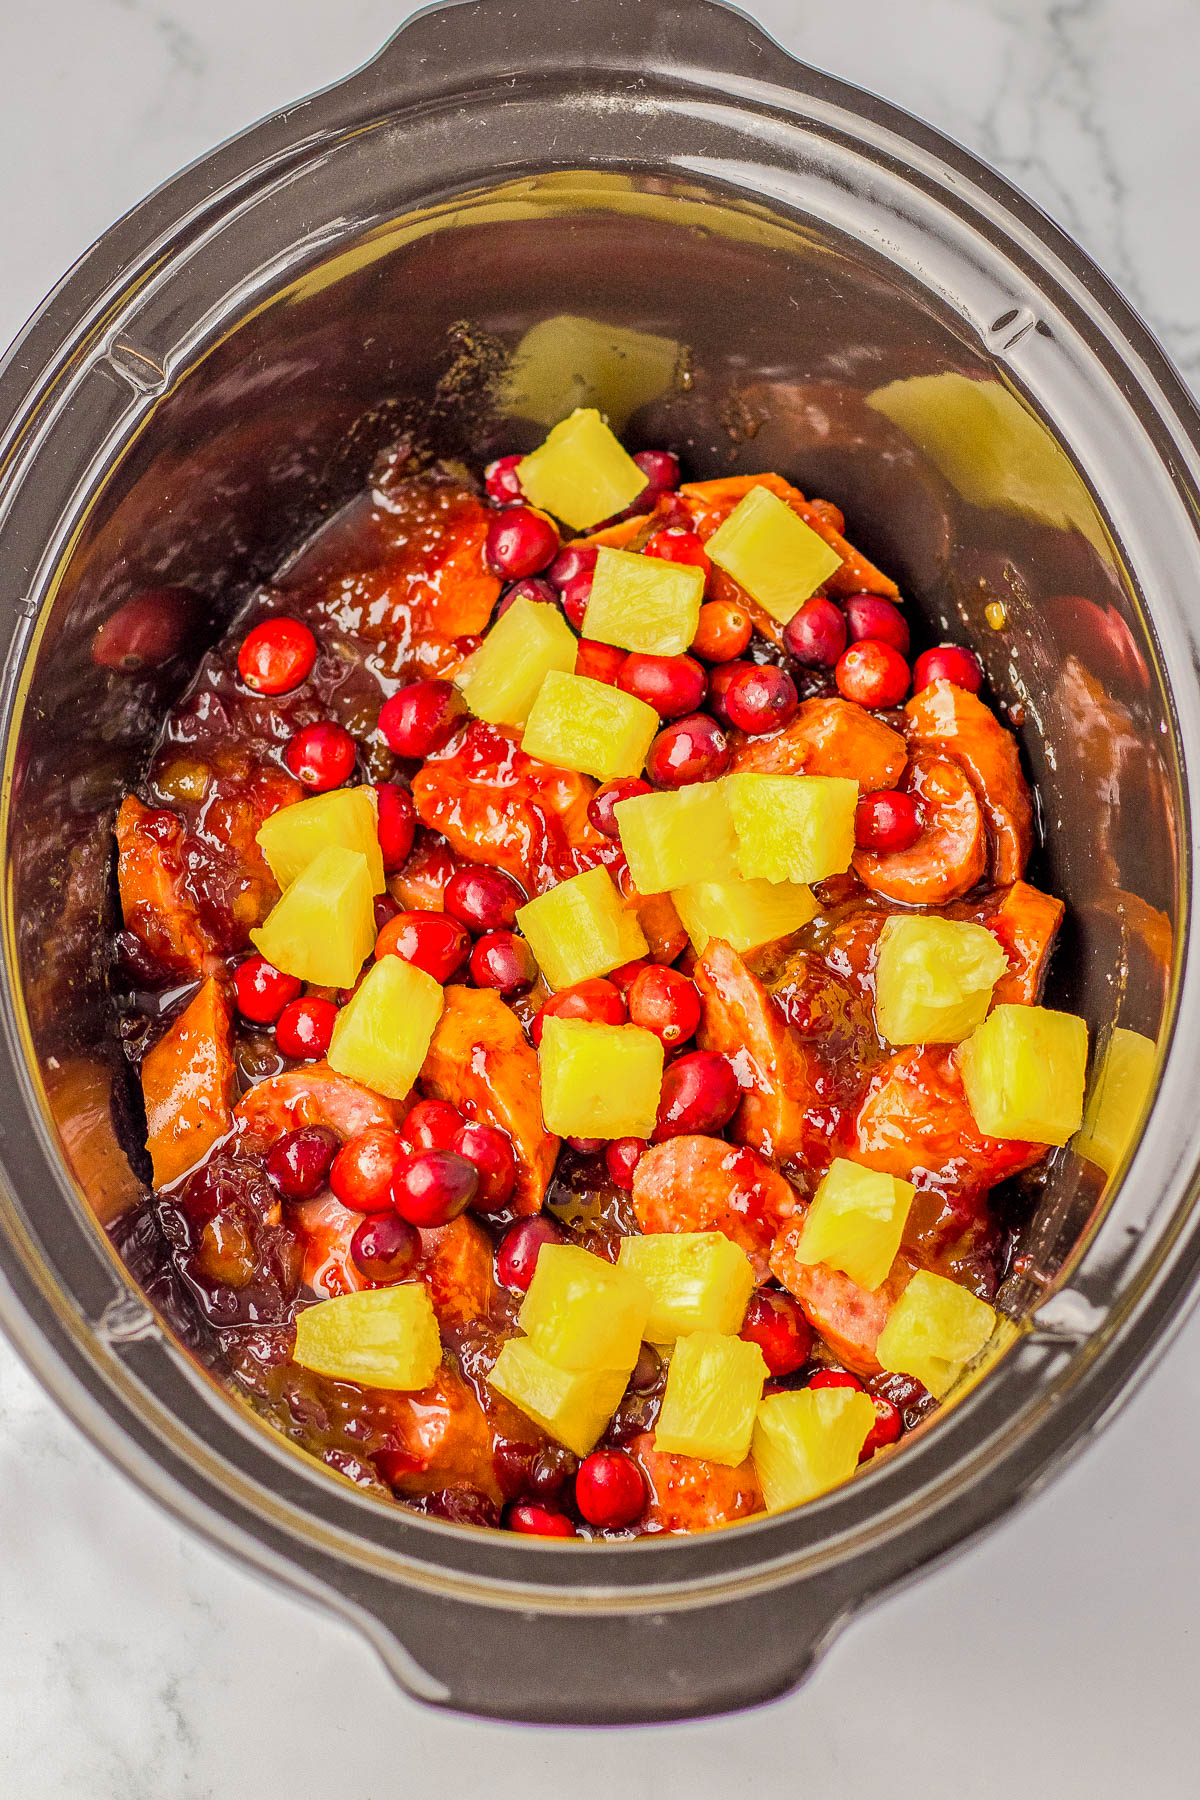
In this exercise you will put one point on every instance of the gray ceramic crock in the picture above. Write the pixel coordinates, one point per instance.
(216, 374)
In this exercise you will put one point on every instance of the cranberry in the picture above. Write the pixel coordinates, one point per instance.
(533, 589)
(146, 631)
(949, 662)
(572, 562)
(539, 1521)
(719, 681)
(677, 544)
(691, 749)
(889, 1423)
(596, 1000)
(835, 1378)
(622, 1157)
(723, 631)
(431, 1125)
(648, 1371)
(434, 1186)
(458, 1505)
(502, 481)
(816, 635)
(599, 662)
(432, 941)
(306, 1026)
(761, 699)
(385, 1248)
(574, 598)
(262, 991)
(363, 1169)
(602, 802)
(277, 656)
(885, 822)
(672, 685)
(397, 824)
(870, 616)
(624, 977)
(520, 542)
(586, 1146)
(300, 1161)
(420, 718)
(700, 1093)
(516, 1257)
(504, 961)
(491, 1151)
(776, 1324)
(321, 755)
(872, 673)
(665, 1002)
(552, 1468)
(660, 468)
(483, 899)
(610, 1489)
(385, 910)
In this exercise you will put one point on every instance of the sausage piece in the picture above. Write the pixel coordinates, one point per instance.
(689, 1493)
(711, 502)
(952, 721)
(189, 1080)
(915, 1123)
(313, 1095)
(702, 1184)
(154, 902)
(776, 1071)
(827, 737)
(847, 1317)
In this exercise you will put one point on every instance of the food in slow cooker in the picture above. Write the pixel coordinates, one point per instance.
(586, 996)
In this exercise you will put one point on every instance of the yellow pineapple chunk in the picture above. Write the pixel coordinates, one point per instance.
(934, 1328)
(934, 979)
(855, 1222)
(792, 827)
(500, 680)
(600, 1081)
(744, 913)
(323, 928)
(1119, 1094)
(383, 1033)
(807, 1442)
(697, 1281)
(1023, 1070)
(643, 603)
(348, 817)
(772, 553)
(580, 473)
(582, 1313)
(581, 928)
(578, 723)
(714, 1385)
(573, 1405)
(673, 838)
(382, 1337)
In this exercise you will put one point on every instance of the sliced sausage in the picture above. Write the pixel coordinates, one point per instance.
(1026, 923)
(915, 1122)
(949, 719)
(189, 1080)
(847, 1317)
(827, 737)
(950, 855)
(776, 1071)
(702, 1184)
(312, 1095)
(154, 901)
(689, 1493)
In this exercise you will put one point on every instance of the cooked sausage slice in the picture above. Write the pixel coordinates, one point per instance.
(313, 1095)
(689, 1493)
(828, 737)
(776, 1071)
(457, 1269)
(950, 855)
(154, 901)
(189, 1080)
(711, 502)
(915, 1123)
(949, 719)
(847, 1317)
(702, 1184)
(1026, 922)
(662, 927)
(441, 1439)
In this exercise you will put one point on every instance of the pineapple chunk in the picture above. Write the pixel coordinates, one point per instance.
(644, 603)
(573, 1405)
(1119, 1094)
(582, 1313)
(855, 1222)
(933, 1329)
(348, 817)
(581, 928)
(934, 979)
(697, 1281)
(383, 1033)
(381, 1337)
(792, 827)
(323, 928)
(600, 1081)
(714, 1385)
(674, 838)
(580, 473)
(577, 723)
(772, 553)
(744, 913)
(500, 681)
(807, 1442)
(1023, 1071)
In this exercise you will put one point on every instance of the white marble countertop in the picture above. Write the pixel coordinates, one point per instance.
(1060, 1655)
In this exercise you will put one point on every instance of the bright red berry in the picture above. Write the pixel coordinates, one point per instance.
(431, 941)
(887, 822)
(262, 991)
(599, 662)
(277, 656)
(723, 631)
(503, 961)
(889, 1424)
(433, 1187)
(305, 1027)
(520, 1247)
(870, 616)
(539, 1521)
(363, 1169)
(520, 542)
(420, 718)
(385, 1249)
(816, 635)
(948, 662)
(622, 1157)
(835, 1378)
(431, 1125)
(677, 545)
(720, 680)
(758, 700)
(691, 749)
(533, 588)
(610, 1489)
(672, 685)
(699, 1093)
(397, 824)
(601, 806)
(321, 755)
(491, 1152)
(776, 1324)
(502, 481)
(299, 1161)
(665, 1002)
(660, 468)
(873, 674)
(597, 1001)
(483, 899)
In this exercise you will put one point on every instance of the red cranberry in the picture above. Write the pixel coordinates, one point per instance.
(491, 1151)
(574, 598)
(434, 1186)
(660, 468)
(431, 1125)
(385, 909)
(397, 824)
(305, 1027)
(700, 1093)
(835, 1378)
(385, 1249)
(483, 899)
(949, 662)
(146, 631)
(677, 544)
(539, 1521)
(873, 674)
(300, 1161)
(597, 1001)
(648, 1371)
(870, 616)
(420, 718)
(610, 1489)
(516, 1257)
(691, 749)
(761, 699)
(672, 685)
(431, 941)
(719, 681)
(502, 481)
(520, 542)
(277, 656)
(262, 991)
(665, 1002)
(533, 589)
(816, 635)
(363, 1169)
(599, 662)
(602, 802)
(586, 1146)
(776, 1324)
(723, 631)
(503, 961)
(571, 563)
(321, 755)
(622, 1157)
(624, 977)
(887, 1427)
(885, 822)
